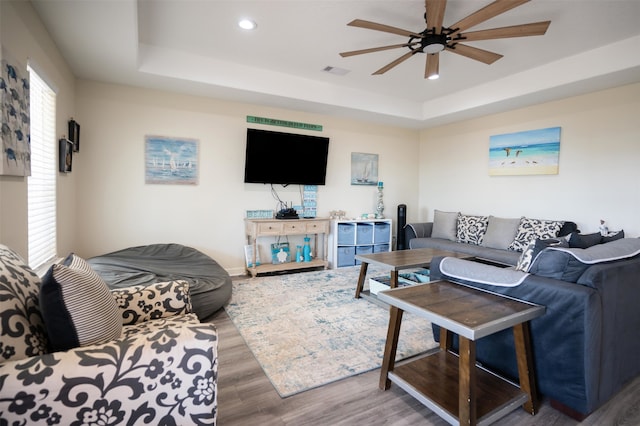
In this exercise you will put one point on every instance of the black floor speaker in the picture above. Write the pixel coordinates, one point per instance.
(402, 221)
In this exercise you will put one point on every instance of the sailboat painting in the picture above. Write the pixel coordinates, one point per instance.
(364, 169)
(171, 160)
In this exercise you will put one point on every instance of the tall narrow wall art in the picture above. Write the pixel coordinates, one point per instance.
(14, 107)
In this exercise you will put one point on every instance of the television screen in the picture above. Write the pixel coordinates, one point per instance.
(285, 158)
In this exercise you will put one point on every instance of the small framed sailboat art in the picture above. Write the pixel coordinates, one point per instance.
(171, 160)
(364, 169)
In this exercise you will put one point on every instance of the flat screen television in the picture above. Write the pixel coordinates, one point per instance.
(285, 158)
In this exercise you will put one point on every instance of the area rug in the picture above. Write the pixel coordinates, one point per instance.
(307, 329)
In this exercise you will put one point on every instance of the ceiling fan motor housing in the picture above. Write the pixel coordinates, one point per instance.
(430, 42)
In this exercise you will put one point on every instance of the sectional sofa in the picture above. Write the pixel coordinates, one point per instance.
(586, 345)
(490, 237)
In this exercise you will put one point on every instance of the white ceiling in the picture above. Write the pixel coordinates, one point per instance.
(196, 47)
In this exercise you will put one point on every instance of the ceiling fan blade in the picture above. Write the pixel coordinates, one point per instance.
(435, 13)
(487, 12)
(394, 63)
(525, 30)
(376, 49)
(431, 69)
(381, 27)
(475, 53)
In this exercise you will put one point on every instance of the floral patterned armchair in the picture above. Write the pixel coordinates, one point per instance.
(161, 370)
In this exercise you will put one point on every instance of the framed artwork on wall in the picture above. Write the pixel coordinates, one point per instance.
(171, 160)
(65, 156)
(364, 169)
(15, 116)
(532, 152)
(74, 134)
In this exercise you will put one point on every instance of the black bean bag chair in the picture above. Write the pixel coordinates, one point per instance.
(209, 283)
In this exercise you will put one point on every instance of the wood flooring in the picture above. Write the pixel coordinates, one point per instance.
(247, 398)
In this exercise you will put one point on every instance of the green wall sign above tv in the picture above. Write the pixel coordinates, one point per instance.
(283, 123)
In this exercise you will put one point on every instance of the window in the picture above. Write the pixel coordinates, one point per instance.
(41, 184)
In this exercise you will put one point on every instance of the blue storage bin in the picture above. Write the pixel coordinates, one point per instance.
(363, 250)
(346, 233)
(380, 248)
(364, 233)
(381, 233)
(346, 256)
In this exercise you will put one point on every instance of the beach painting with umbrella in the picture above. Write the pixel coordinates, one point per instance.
(533, 152)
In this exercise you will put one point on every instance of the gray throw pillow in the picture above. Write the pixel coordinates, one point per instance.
(445, 225)
(500, 232)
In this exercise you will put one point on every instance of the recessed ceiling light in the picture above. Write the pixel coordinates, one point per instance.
(247, 24)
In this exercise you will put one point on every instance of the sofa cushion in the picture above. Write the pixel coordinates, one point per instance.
(577, 240)
(530, 229)
(22, 333)
(445, 225)
(467, 270)
(77, 306)
(612, 237)
(568, 264)
(471, 229)
(534, 248)
(500, 232)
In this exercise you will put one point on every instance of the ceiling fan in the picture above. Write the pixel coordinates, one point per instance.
(437, 38)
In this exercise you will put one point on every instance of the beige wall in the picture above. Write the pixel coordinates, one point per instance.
(599, 176)
(26, 40)
(104, 204)
(116, 209)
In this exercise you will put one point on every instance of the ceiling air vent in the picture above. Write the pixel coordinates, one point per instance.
(335, 70)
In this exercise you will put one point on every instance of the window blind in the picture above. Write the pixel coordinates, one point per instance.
(42, 182)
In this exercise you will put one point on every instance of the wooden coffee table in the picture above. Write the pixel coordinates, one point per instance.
(400, 259)
(451, 384)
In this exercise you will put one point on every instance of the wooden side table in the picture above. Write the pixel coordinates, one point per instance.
(451, 384)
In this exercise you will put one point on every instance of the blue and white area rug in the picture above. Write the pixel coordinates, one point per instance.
(307, 329)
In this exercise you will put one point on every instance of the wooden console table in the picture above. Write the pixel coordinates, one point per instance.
(256, 228)
(451, 384)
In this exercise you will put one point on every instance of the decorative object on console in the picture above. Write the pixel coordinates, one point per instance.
(364, 169)
(280, 252)
(533, 152)
(306, 249)
(310, 201)
(171, 160)
(380, 203)
(74, 134)
(65, 155)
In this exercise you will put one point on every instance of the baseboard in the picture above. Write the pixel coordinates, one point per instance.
(568, 410)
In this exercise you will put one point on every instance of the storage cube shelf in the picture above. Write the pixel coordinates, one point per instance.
(360, 236)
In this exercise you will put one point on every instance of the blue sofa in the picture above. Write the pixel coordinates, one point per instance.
(586, 345)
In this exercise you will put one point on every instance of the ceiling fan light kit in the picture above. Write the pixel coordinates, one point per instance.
(436, 38)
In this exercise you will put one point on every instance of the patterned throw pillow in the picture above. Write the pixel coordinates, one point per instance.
(530, 229)
(22, 333)
(471, 229)
(77, 306)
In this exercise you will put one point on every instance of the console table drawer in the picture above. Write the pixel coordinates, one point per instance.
(270, 228)
(317, 228)
(293, 228)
